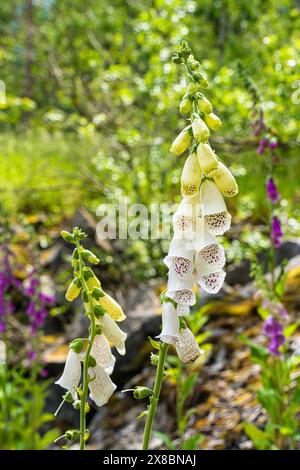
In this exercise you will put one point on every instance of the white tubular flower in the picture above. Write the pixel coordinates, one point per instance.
(185, 217)
(225, 181)
(101, 387)
(183, 310)
(113, 333)
(102, 354)
(215, 213)
(200, 130)
(180, 259)
(170, 323)
(207, 159)
(210, 255)
(191, 176)
(211, 282)
(72, 372)
(181, 290)
(186, 346)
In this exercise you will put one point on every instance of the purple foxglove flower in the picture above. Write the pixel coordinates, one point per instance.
(271, 327)
(272, 191)
(273, 144)
(277, 233)
(2, 327)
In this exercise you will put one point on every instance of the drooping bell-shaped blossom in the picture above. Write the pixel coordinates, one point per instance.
(184, 219)
(276, 233)
(211, 282)
(214, 209)
(72, 372)
(170, 323)
(263, 144)
(272, 191)
(210, 255)
(186, 346)
(101, 352)
(181, 290)
(113, 333)
(112, 307)
(180, 259)
(101, 387)
(207, 158)
(225, 181)
(191, 176)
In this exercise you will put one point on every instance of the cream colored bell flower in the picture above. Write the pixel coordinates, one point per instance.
(210, 254)
(225, 181)
(191, 176)
(215, 213)
(111, 307)
(180, 259)
(213, 121)
(185, 217)
(170, 323)
(100, 385)
(207, 159)
(72, 372)
(186, 346)
(181, 142)
(102, 354)
(113, 333)
(211, 282)
(200, 130)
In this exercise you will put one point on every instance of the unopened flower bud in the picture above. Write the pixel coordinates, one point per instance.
(213, 121)
(225, 181)
(191, 176)
(200, 130)
(193, 88)
(67, 236)
(90, 278)
(72, 434)
(73, 290)
(205, 106)
(207, 158)
(185, 105)
(90, 257)
(181, 143)
(142, 392)
(77, 345)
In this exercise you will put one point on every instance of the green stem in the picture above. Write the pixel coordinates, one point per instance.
(92, 335)
(155, 397)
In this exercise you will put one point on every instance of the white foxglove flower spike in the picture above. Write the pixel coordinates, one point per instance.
(191, 176)
(170, 323)
(211, 282)
(186, 346)
(113, 333)
(72, 372)
(102, 354)
(180, 259)
(101, 387)
(215, 212)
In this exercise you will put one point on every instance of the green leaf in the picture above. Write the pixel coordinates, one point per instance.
(259, 438)
(165, 439)
(188, 385)
(154, 344)
(192, 442)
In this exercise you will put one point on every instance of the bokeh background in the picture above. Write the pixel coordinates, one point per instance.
(91, 109)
